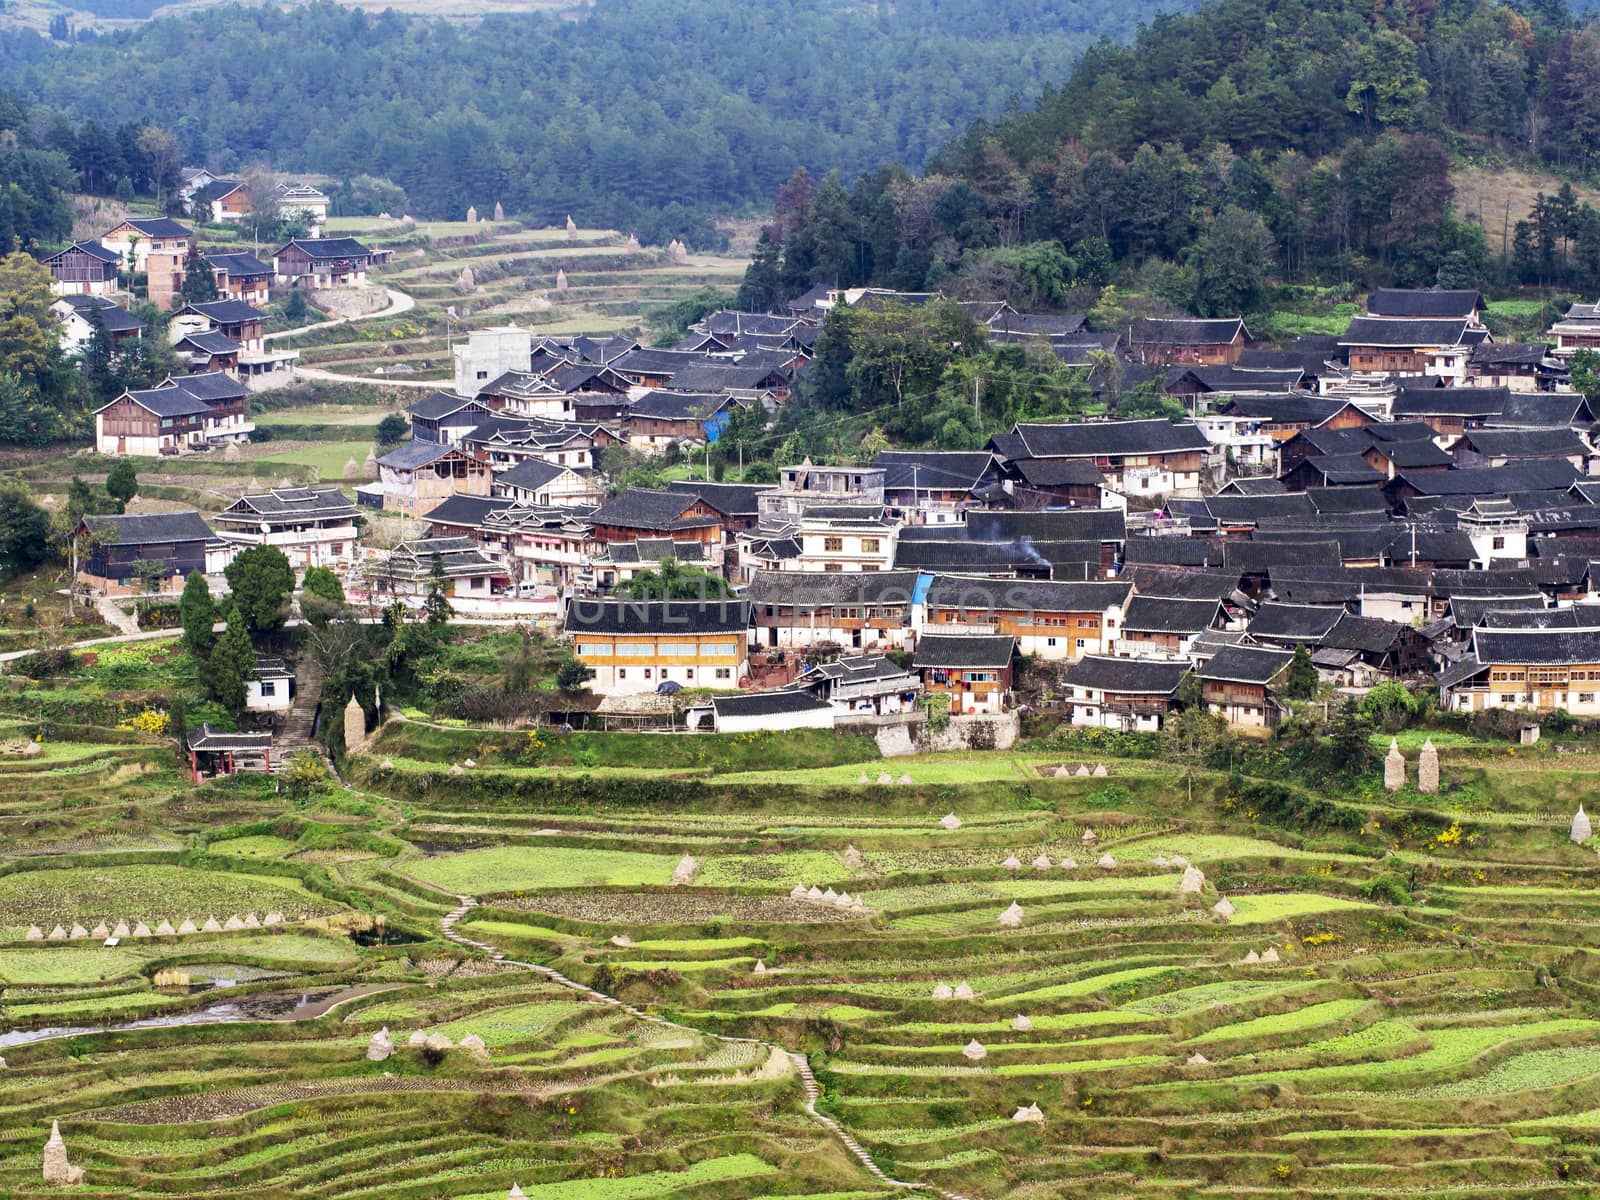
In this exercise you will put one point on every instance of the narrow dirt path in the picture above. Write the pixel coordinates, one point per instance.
(808, 1081)
(399, 302)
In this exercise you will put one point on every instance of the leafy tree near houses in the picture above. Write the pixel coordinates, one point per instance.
(1191, 692)
(262, 581)
(1231, 262)
(1348, 746)
(295, 308)
(762, 289)
(30, 338)
(392, 430)
(674, 581)
(573, 674)
(1300, 680)
(199, 282)
(321, 595)
(436, 605)
(233, 658)
(197, 612)
(122, 483)
(24, 531)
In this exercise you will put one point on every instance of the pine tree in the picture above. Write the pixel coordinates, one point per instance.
(232, 660)
(760, 291)
(1300, 680)
(437, 605)
(198, 614)
(199, 282)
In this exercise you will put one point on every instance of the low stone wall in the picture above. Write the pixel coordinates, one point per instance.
(908, 733)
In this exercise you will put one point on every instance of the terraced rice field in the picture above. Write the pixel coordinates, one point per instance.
(1435, 1035)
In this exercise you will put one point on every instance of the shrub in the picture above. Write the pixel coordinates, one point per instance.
(44, 663)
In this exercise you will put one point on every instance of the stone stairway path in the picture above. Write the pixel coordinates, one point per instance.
(808, 1081)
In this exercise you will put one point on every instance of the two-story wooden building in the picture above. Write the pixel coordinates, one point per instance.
(186, 413)
(1152, 458)
(325, 262)
(635, 646)
(860, 610)
(314, 527)
(641, 512)
(241, 277)
(1129, 694)
(1237, 685)
(84, 269)
(415, 477)
(150, 552)
(1165, 341)
(1539, 669)
(1408, 346)
(1055, 621)
(974, 670)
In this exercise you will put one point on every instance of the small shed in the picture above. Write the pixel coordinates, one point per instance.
(270, 687)
(789, 709)
(213, 754)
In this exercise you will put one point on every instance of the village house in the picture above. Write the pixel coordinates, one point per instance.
(446, 418)
(1237, 684)
(789, 708)
(658, 420)
(1167, 627)
(738, 504)
(807, 484)
(1501, 447)
(415, 477)
(1579, 329)
(303, 201)
(186, 413)
(863, 685)
(862, 610)
(157, 247)
(407, 573)
(1132, 695)
(620, 563)
(228, 335)
(1034, 483)
(543, 548)
(1146, 459)
(314, 527)
(270, 688)
(1450, 411)
(76, 313)
(636, 646)
(325, 262)
(1463, 304)
(843, 537)
(1163, 341)
(639, 512)
(933, 487)
(1053, 621)
(1404, 346)
(84, 269)
(1521, 366)
(974, 671)
(224, 202)
(201, 352)
(506, 441)
(241, 277)
(125, 555)
(534, 481)
(1539, 669)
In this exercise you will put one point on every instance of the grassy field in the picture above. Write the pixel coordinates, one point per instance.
(1391, 1005)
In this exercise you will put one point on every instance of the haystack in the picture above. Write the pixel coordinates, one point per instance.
(1270, 954)
(381, 1046)
(352, 469)
(845, 900)
(187, 927)
(1068, 863)
(950, 821)
(561, 280)
(622, 940)
(1089, 838)
(1042, 863)
(1222, 908)
(1582, 829)
(761, 966)
(1099, 771)
(1197, 1060)
(1021, 1024)
(212, 925)
(633, 243)
(1178, 860)
(1394, 767)
(904, 780)
(1428, 768)
(417, 1039)
(1192, 883)
(1028, 1113)
(474, 1045)
(251, 921)
(436, 1041)
(141, 930)
(165, 929)
(100, 931)
(58, 1172)
(1252, 957)
(973, 1051)
(35, 934)
(852, 859)
(1106, 861)
(814, 893)
(233, 924)
(77, 932)
(963, 991)
(942, 991)
(885, 779)
(1012, 863)
(57, 934)
(272, 918)
(121, 930)
(1062, 772)
(516, 1193)
(862, 778)
(1012, 917)
(685, 870)
(829, 896)
(1159, 860)
(797, 892)
(1083, 771)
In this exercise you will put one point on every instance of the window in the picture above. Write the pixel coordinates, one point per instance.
(869, 545)
(1081, 643)
(622, 673)
(1050, 641)
(647, 672)
(833, 544)
(597, 649)
(483, 374)
(268, 688)
(980, 676)
(724, 673)
(716, 649)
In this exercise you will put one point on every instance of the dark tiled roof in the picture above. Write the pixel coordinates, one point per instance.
(93, 250)
(324, 248)
(1328, 501)
(1179, 583)
(638, 508)
(148, 528)
(1471, 402)
(1467, 611)
(158, 227)
(410, 455)
(238, 264)
(1367, 635)
(768, 704)
(677, 406)
(1424, 302)
(1402, 333)
(116, 320)
(1137, 676)
(1187, 331)
(1541, 410)
(946, 470)
(214, 343)
(1344, 470)
(1259, 485)
(1264, 556)
(1245, 664)
(1513, 354)
(979, 595)
(657, 616)
(1170, 614)
(320, 503)
(814, 588)
(1535, 475)
(1546, 618)
(1555, 647)
(1293, 622)
(1525, 443)
(1414, 455)
(210, 385)
(953, 650)
(464, 511)
(1175, 551)
(1057, 472)
(1286, 409)
(169, 402)
(437, 405)
(227, 312)
(729, 499)
(1059, 524)
(1235, 509)
(529, 474)
(1097, 438)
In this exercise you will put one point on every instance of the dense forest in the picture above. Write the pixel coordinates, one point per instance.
(650, 115)
(1249, 142)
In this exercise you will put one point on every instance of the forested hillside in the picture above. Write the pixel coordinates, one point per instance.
(1249, 142)
(644, 114)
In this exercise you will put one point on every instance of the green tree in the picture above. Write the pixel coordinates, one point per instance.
(573, 674)
(197, 612)
(1300, 680)
(321, 595)
(1231, 262)
(24, 531)
(262, 582)
(122, 483)
(233, 659)
(199, 282)
(436, 605)
(674, 581)
(1191, 692)
(30, 338)
(762, 288)
(306, 775)
(1390, 705)
(393, 429)
(295, 308)
(1585, 366)
(1348, 746)
(1388, 85)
